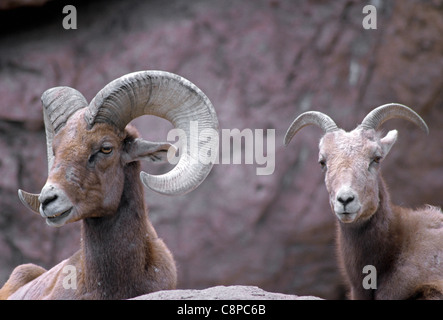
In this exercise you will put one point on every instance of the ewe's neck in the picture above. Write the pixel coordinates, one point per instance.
(370, 243)
(375, 229)
(115, 248)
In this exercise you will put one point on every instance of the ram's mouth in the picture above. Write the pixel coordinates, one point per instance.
(58, 219)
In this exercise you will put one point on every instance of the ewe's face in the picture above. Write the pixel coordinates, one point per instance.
(351, 161)
(86, 178)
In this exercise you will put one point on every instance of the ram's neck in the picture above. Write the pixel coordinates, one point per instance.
(115, 248)
(372, 243)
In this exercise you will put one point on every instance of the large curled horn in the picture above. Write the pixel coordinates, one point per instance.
(168, 96)
(59, 104)
(381, 114)
(310, 118)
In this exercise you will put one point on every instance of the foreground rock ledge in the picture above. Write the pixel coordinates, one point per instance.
(222, 293)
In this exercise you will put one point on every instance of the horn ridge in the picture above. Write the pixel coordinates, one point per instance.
(170, 97)
(383, 113)
(60, 103)
(30, 200)
(310, 118)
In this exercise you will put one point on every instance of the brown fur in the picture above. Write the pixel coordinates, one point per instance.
(19, 277)
(121, 255)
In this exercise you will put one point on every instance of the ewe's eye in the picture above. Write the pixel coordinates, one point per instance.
(322, 163)
(376, 159)
(106, 149)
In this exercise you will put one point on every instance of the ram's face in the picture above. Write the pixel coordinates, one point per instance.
(86, 178)
(88, 174)
(351, 161)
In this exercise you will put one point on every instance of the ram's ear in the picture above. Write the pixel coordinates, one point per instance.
(140, 149)
(388, 141)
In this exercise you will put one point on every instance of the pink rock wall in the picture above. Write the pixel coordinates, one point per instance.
(261, 63)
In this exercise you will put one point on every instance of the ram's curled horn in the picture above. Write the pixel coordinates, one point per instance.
(379, 115)
(310, 118)
(30, 200)
(59, 104)
(168, 96)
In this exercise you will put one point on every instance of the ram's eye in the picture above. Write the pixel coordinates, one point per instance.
(106, 149)
(322, 163)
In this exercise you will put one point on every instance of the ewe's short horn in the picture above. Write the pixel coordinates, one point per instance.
(310, 118)
(380, 115)
(168, 96)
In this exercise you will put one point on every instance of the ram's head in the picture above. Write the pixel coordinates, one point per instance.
(90, 147)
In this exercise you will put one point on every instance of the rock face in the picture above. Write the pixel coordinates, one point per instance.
(261, 62)
(12, 4)
(222, 293)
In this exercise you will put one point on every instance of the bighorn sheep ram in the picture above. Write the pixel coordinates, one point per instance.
(404, 246)
(94, 176)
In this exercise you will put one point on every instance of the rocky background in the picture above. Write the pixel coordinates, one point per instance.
(222, 293)
(261, 62)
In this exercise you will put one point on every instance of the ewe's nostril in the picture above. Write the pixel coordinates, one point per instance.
(345, 200)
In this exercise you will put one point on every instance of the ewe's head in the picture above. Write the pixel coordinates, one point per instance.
(351, 160)
(90, 146)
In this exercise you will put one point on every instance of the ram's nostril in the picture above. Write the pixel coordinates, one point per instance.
(48, 195)
(48, 200)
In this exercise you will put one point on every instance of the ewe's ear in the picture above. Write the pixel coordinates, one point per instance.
(388, 141)
(140, 149)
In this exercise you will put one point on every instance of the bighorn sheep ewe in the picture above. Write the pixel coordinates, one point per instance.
(94, 176)
(405, 246)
